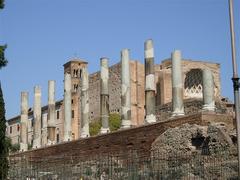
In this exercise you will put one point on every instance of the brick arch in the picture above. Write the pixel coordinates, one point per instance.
(193, 84)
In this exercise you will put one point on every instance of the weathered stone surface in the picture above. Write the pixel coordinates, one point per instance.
(150, 85)
(67, 108)
(104, 99)
(51, 119)
(24, 122)
(198, 147)
(211, 139)
(84, 104)
(208, 90)
(126, 90)
(37, 117)
(177, 84)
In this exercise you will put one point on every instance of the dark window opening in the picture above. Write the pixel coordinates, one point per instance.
(72, 113)
(57, 138)
(80, 73)
(10, 129)
(76, 75)
(57, 114)
(18, 127)
(198, 142)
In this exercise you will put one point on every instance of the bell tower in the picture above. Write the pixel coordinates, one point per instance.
(74, 68)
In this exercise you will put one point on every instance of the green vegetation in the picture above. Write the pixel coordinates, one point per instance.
(114, 124)
(1, 4)
(12, 147)
(3, 61)
(3, 140)
(94, 127)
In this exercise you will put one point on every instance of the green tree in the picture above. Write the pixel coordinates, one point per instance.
(3, 61)
(3, 139)
(1, 4)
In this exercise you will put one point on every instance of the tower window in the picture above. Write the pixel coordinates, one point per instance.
(72, 113)
(18, 127)
(57, 114)
(75, 87)
(76, 75)
(10, 129)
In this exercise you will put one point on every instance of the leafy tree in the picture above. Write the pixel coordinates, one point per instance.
(12, 147)
(4, 143)
(3, 140)
(1, 4)
(3, 61)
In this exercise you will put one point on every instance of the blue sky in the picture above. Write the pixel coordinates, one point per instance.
(43, 35)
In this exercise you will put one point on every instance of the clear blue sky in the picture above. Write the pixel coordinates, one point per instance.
(43, 35)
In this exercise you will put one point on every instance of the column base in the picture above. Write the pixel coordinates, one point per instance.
(125, 124)
(36, 144)
(85, 132)
(177, 113)
(50, 142)
(104, 130)
(84, 135)
(23, 147)
(151, 118)
(207, 107)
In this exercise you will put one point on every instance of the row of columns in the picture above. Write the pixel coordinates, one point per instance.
(177, 98)
(37, 113)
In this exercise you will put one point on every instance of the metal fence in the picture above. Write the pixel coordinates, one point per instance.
(131, 165)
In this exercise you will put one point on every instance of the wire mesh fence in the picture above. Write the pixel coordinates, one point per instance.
(132, 165)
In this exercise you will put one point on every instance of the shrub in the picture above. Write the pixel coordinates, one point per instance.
(114, 124)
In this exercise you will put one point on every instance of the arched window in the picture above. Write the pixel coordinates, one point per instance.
(193, 84)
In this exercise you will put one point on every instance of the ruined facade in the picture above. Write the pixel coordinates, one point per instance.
(192, 82)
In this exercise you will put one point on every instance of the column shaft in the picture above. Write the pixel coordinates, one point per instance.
(84, 104)
(177, 85)
(149, 82)
(24, 122)
(51, 112)
(37, 112)
(126, 90)
(208, 91)
(104, 96)
(67, 108)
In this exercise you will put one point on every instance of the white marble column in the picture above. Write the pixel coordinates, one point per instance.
(149, 82)
(24, 122)
(208, 91)
(126, 90)
(104, 96)
(51, 123)
(177, 84)
(67, 108)
(37, 113)
(84, 104)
